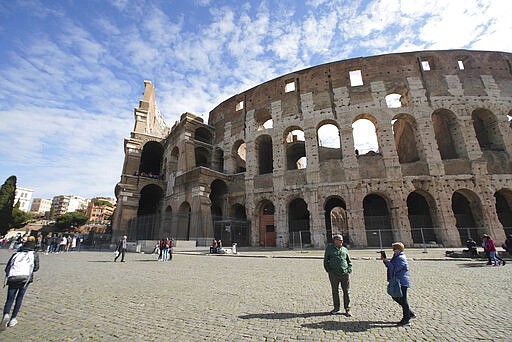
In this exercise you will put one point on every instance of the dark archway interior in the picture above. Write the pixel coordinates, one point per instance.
(204, 135)
(146, 225)
(265, 155)
(150, 197)
(218, 193)
(465, 220)
(298, 221)
(377, 221)
(202, 157)
(405, 139)
(504, 209)
(183, 231)
(294, 151)
(238, 212)
(151, 158)
(444, 124)
(335, 214)
(420, 219)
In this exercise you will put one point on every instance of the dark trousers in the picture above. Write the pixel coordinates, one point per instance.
(121, 253)
(404, 304)
(336, 280)
(15, 291)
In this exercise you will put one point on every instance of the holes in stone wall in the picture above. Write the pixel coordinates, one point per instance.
(460, 65)
(239, 106)
(393, 101)
(289, 86)
(425, 65)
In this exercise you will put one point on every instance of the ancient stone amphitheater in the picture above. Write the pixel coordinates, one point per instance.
(282, 164)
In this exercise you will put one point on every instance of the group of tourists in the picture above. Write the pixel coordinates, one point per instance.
(164, 249)
(216, 247)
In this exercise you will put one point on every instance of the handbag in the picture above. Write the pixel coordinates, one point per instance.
(394, 288)
(115, 254)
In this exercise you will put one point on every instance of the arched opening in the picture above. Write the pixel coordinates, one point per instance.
(335, 211)
(204, 135)
(218, 198)
(263, 119)
(219, 160)
(267, 231)
(504, 209)
(420, 219)
(167, 222)
(151, 159)
(448, 135)
(183, 229)
(295, 149)
(467, 210)
(202, 157)
(298, 223)
(406, 138)
(265, 154)
(365, 135)
(487, 130)
(377, 221)
(329, 143)
(239, 154)
(148, 213)
(173, 160)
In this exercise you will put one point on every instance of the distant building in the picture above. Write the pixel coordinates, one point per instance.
(23, 196)
(100, 209)
(67, 204)
(41, 206)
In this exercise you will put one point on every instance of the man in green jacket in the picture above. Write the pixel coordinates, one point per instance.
(338, 265)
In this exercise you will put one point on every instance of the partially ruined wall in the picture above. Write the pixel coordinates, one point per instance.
(447, 146)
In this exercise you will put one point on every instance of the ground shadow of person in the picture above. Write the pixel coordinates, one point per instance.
(284, 315)
(349, 326)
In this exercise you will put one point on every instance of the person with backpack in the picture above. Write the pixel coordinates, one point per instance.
(19, 273)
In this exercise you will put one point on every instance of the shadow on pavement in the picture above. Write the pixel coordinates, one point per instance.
(473, 264)
(349, 326)
(284, 315)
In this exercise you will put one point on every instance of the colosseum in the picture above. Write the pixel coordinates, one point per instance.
(281, 164)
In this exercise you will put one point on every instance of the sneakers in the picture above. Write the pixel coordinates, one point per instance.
(12, 322)
(4, 322)
(347, 313)
(403, 322)
(336, 312)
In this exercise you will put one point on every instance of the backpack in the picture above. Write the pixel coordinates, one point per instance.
(20, 268)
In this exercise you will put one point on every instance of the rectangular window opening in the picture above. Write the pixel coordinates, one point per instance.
(240, 105)
(461, 65)
(289, 86)
(425, 65)
(356, 79)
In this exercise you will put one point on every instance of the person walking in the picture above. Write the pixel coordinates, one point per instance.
(490, 248)
(121, 248)
(19, 272)
(338, 265)
(398, 268)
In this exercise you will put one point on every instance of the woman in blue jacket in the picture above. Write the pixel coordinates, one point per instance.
(399, 267)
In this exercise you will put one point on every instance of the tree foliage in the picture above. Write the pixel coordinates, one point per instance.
(19, 218)
(7, 194)
(68, 220)
(103, 202)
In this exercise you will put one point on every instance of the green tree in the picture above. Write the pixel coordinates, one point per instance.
(67, 220)
(7, 194)
(103, 202)
(19, 218)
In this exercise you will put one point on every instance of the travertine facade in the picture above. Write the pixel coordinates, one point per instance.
(259, 173)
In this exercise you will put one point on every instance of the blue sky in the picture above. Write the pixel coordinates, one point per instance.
(72, 71)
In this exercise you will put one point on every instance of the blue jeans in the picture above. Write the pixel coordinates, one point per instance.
(404, 304)
(15, 291)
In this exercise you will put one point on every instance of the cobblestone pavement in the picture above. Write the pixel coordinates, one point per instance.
(87, 297)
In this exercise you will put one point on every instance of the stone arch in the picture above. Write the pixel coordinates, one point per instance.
(504, 209)
(202, 157)
(420, 217)
(265, 154)
(487, 130)
(298, 222)
(239, 155)
(467, 209)
(364, 131)
(151, 159)
(263, 119)
(377, 221)
(329, 141)
(295, 148)
(406, 138)
(335, 212)
(218, 199)
(173, 159)
(147, 224)
(267, 231)
(219, 160)
(183, 225)
(204, 135)
(448, 134)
